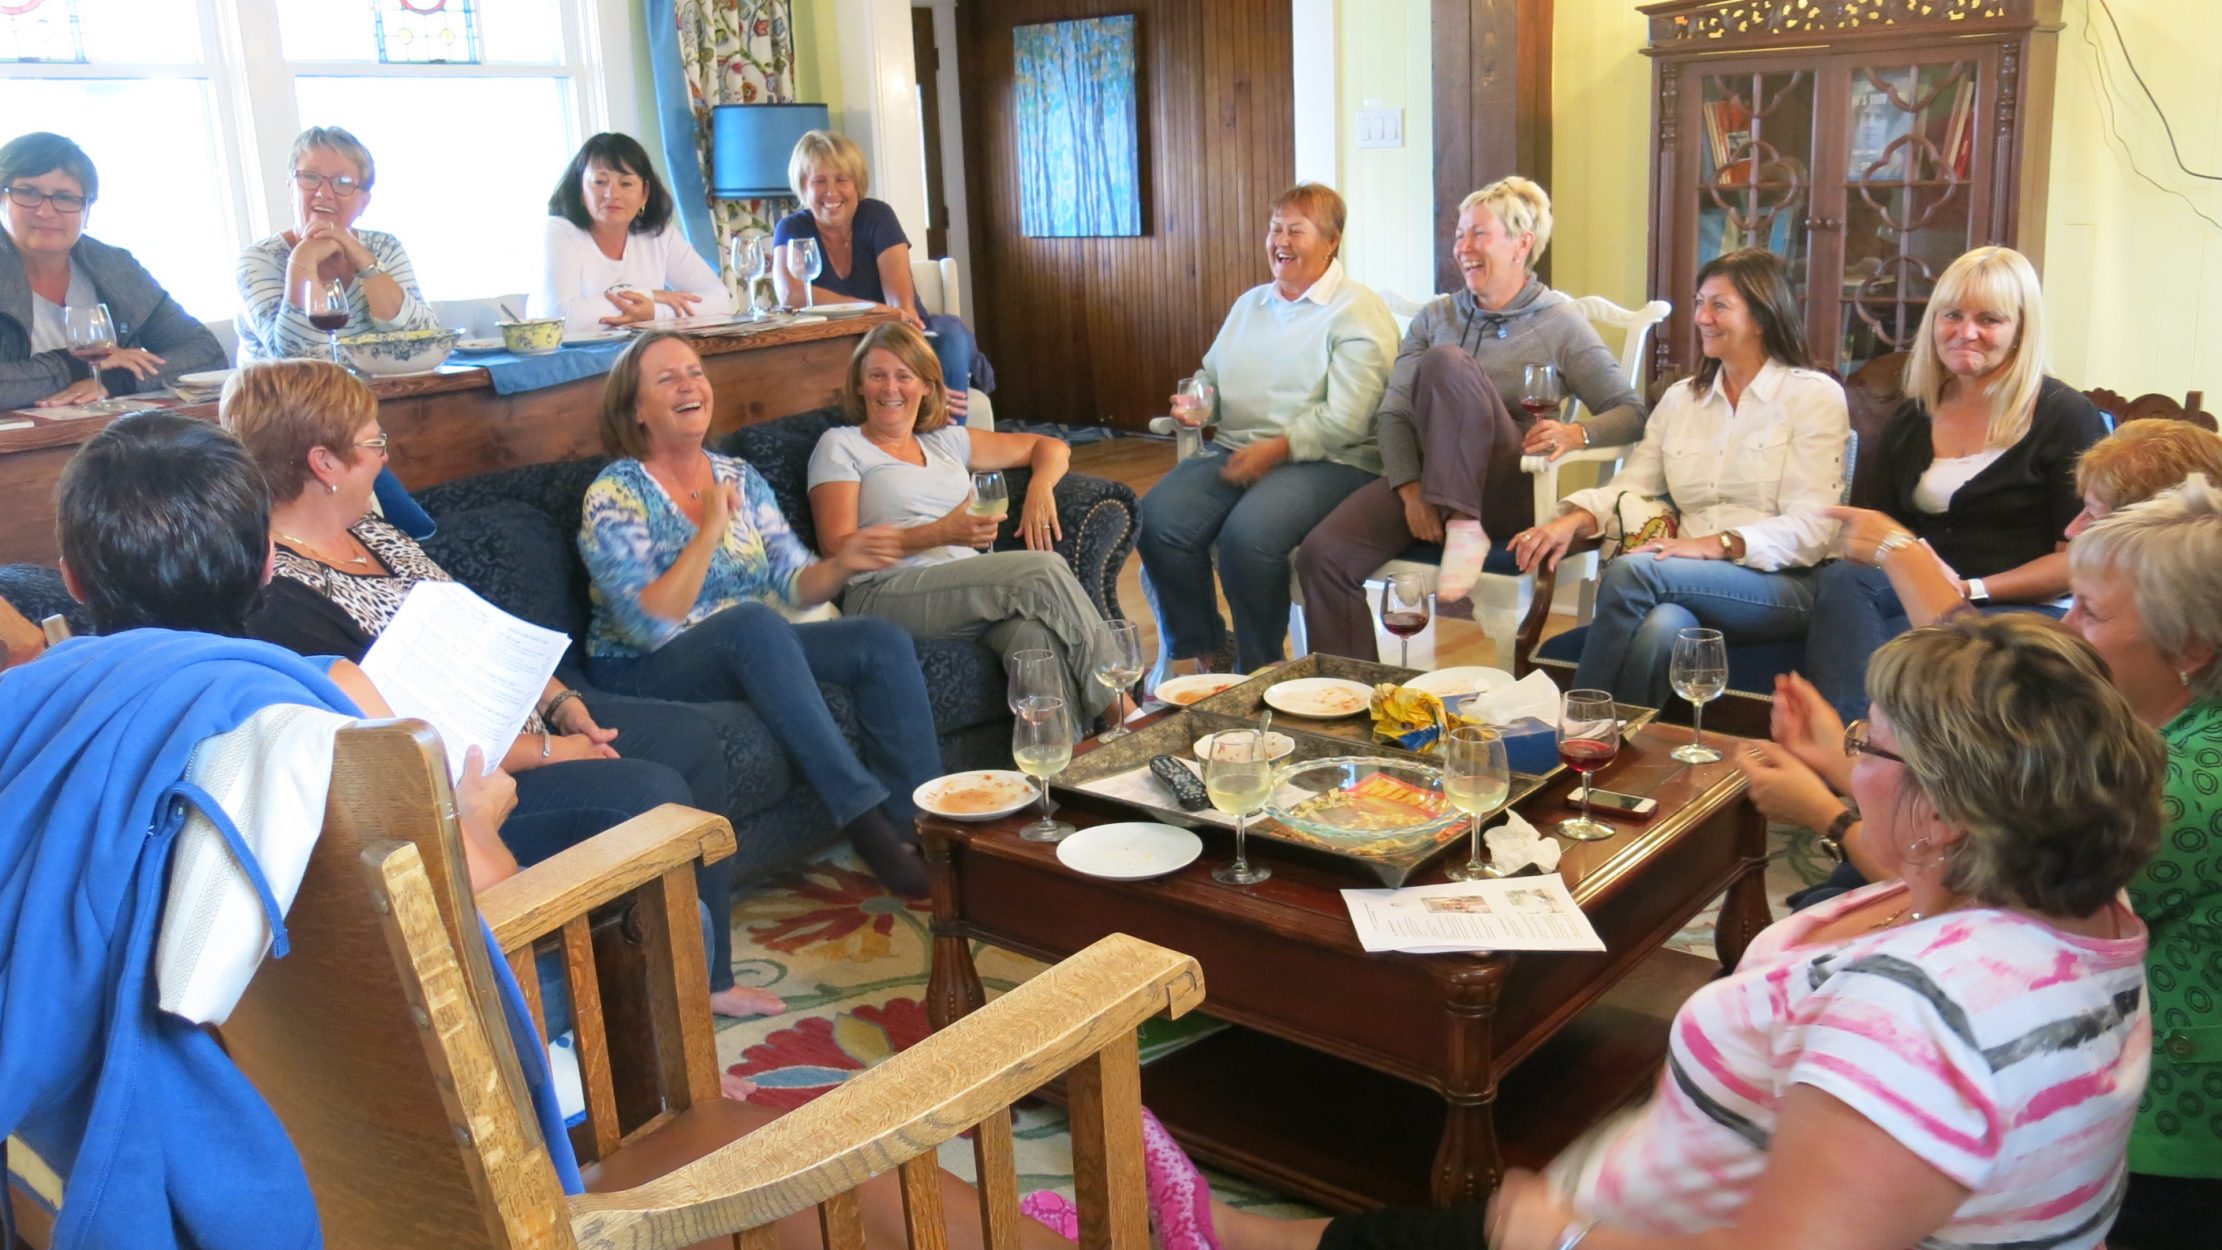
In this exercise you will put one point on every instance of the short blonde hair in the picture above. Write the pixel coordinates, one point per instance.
(2011, 727)
(908, 346)
(284, 409)
(2144, 458)
(1320, 204)
(333, 139)
(2170, 549)
(1989, 279)
(827, 147)
(1521, 206)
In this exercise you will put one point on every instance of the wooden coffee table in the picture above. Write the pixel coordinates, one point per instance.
(1353, 1079)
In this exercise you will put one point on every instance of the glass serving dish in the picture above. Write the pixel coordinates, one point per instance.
(1367, 805)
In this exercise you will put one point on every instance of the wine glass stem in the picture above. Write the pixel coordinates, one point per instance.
(1588, 780)
(1697, 722)
(1473, 856)
(1241, 828)
(1404, 652)
(1043, 782)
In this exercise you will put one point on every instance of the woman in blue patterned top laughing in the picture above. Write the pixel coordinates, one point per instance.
(689, 554)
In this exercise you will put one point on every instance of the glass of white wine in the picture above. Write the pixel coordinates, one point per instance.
(1477, 778)
(991, 496)
(1041, 746)
(1116, 660)
(1699, 673)
(1238, 775)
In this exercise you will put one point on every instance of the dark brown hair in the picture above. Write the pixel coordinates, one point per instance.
(1764, 284)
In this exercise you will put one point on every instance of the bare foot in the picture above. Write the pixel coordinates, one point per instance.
(743, 1002)
(737, 1088)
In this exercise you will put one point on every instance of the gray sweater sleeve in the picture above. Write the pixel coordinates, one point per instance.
(1593, 375)
(1399, 438)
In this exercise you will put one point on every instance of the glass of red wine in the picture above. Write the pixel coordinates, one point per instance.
(1405, 601)
(91, 333)
(326, 305)
(1588, 738)
(1540, 395)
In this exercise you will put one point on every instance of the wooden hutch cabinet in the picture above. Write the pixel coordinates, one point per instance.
(1866, 142)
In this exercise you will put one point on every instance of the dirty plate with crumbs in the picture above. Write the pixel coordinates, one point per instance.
(982, 795)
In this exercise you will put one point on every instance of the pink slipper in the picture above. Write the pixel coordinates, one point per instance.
(1180, 1197)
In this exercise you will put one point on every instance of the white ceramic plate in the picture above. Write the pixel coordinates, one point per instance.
(1186, 690)
(1278, 745)
(1451, 683)
(1320, 698)
(479, 345)
(210, 379)
(982, 795)
(1129, 851)
(595, 336)
(849, 309)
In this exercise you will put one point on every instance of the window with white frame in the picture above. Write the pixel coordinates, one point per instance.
(188, 109)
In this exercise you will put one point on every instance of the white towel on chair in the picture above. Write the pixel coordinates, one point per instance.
(270, 775)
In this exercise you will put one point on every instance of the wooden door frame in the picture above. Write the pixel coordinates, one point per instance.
(1492, 86)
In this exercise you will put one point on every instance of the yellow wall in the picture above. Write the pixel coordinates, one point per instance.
(817, 54)
(1600, 180)
(1382, 56)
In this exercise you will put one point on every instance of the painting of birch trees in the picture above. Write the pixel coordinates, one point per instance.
(1078, 155)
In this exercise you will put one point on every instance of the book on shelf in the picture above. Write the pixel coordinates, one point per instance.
(1877, 123)
(1959, 126)
(1727, 133)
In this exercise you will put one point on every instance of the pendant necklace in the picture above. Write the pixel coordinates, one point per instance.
(363, 560)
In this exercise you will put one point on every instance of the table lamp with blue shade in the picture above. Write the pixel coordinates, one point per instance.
(750, 145)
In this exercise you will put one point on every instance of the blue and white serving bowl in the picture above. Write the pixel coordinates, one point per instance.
(399, 352)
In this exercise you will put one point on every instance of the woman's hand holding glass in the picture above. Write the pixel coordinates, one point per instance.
(965, 526)
(1194, 401)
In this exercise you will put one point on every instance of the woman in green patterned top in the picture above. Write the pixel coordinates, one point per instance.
(2148, 596)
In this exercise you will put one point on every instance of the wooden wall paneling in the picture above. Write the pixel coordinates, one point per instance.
(1098, 330)
(1492, 67)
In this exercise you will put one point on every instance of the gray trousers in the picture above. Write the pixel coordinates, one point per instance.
(1008, 600)
(1470, 466)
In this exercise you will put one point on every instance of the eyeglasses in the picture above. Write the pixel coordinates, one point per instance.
(343, 186)
(378, 445)
(1856, 743)
(32, 197)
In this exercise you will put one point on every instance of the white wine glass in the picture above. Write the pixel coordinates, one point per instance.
(1115, 659)
(1041, 746)
(1588, 739)
(1238, 775)
(1194, 400)
(1404, 611)
(1477, 778)
(991, 496)
(1033, 672)
(752, 260)
(805, 262)
(1699, 673)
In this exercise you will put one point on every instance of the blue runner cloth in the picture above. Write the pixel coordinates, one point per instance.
(512, 373)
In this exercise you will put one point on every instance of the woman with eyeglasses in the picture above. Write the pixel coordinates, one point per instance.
(49, 265)
(332, 173)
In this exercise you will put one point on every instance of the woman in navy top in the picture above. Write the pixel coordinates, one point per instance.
(866, 254)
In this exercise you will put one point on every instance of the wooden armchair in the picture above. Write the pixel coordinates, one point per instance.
(379, 1043)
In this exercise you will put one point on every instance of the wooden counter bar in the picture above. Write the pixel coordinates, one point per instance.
(451, 424)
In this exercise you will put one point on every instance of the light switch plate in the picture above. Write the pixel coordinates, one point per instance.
(1380, 128)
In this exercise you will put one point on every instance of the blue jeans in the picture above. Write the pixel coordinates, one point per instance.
(1642, 602)
(953, 346)
(749, 652)
(1855, 611)
(1255, 529)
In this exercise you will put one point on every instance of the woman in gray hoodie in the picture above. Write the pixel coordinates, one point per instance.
(1450, 444)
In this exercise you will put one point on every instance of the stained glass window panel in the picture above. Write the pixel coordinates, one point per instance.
(40, 30)
(420, 32)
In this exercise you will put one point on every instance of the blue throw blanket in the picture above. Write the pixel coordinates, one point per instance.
(160, 1141)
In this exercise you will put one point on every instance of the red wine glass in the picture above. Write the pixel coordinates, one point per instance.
(1540, 394)
(1404, 610)
(1588, 738)
(326, 305)
(91, 333)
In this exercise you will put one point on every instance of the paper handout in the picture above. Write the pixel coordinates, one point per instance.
(471, 670)
(1513, 914)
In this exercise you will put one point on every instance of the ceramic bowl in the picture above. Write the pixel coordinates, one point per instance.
(400, 351)
(535, 336)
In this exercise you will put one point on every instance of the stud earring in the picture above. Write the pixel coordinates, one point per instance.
(2184, 677)
(331, 488)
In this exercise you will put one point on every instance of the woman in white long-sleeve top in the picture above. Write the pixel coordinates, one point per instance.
(1748, 453)
(1299, 365)
(614, 255)
(332, 173)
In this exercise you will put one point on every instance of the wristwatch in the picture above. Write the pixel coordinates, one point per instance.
(1832, 838)
(1977, 592)
(369, 271)
(1728, 544)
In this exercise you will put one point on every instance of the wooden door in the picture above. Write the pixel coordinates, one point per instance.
(1098, 330)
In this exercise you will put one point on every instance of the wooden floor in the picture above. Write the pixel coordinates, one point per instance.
(1140, 462)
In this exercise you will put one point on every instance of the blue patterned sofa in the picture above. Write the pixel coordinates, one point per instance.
(509, 536)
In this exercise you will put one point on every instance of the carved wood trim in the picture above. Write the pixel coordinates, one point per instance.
(1702, 25)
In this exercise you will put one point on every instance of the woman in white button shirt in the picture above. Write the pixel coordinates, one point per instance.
(1748, 453)
(614, 255)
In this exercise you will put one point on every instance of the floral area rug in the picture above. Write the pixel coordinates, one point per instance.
(851, 962)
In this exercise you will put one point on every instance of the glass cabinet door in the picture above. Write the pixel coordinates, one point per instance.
(1755, 140)
(1910, 179)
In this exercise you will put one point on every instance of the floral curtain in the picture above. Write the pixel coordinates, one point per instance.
(705, 53)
